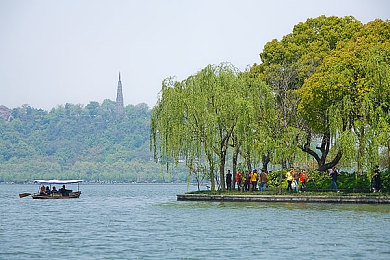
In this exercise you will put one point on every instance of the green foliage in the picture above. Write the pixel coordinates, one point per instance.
(322, 90)
(347, 182)
(200, 118)
(287, 65)
(349, 94)
(75, 142)
(273, 179)
(385, 178)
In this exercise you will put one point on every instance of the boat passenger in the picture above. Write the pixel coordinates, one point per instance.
(63, 191)
(47, 190)
(43, 190)
(54, 190)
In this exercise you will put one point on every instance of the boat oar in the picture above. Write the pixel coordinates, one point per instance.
(22, 195)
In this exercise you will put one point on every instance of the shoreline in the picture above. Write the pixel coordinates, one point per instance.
(286, 198)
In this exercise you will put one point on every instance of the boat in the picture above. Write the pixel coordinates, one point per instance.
(51, 193)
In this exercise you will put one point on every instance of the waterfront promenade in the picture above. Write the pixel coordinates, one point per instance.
(286, 198)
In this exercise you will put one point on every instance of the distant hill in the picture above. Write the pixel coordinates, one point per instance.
(5, 113)
(73, 141)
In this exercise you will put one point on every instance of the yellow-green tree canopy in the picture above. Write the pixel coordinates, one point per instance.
(286, 64)
(350, 92)
(196, 119)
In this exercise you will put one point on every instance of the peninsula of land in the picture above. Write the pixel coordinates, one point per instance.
(286, 198)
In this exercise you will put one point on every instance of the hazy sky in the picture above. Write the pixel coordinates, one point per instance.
(54, 52)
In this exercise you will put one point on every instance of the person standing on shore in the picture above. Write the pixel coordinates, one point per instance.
(334, 173)
(289, 177)
(238, 179)
(376, 179)
(296, 179)
(263, 180)
(246, 179)
(303, 178)
(229, 180)
(254, 179)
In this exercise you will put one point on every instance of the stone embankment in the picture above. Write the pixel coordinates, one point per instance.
(286, 198)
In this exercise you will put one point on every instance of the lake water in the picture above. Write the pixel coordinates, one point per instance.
(137, 221)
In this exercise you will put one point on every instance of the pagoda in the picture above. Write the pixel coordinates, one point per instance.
(120, 109)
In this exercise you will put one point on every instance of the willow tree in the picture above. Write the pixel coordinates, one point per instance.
(255, 131)
(286, 64)
(350, 94)
(197, 152)
(374, 42)
(168, 127)
(179, 126)
(195, 118)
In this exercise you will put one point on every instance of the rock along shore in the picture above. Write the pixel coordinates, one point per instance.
(286, 198)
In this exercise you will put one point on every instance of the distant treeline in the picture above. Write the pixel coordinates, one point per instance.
(77, 142)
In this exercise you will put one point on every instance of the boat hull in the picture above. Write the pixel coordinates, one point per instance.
(72, 195)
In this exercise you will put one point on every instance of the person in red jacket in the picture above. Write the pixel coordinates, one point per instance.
(303, 178)
(238, 178)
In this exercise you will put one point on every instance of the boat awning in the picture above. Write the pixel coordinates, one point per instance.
(57, 181)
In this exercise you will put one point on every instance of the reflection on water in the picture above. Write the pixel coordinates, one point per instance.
(146, 222)
(286, 205)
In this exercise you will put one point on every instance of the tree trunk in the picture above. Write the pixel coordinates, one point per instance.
(211, 164)
(248, 160)
(332, 163)
(212, 178)
(324, 149)
(360, 152)
(280, 180)
(235, 160)
(284, 164)
(222, 158)
(265, 161)
(388, 154)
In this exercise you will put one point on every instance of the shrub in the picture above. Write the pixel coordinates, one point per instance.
(322, 181)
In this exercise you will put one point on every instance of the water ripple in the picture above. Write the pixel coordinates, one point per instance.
(146, 222)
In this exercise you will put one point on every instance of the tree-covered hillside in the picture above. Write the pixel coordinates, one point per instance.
(74, 141)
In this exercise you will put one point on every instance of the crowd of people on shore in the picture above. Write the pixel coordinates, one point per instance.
(296, 180)
(294, 177)
(247, 181)
(253, 181)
